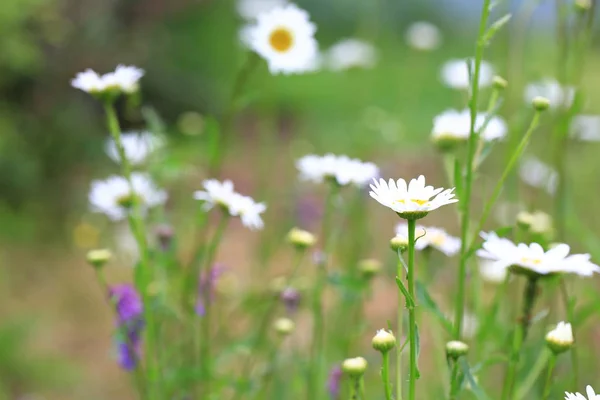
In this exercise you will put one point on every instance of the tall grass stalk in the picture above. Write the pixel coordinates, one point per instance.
(412, 321)
(138, 229)
(401, 271)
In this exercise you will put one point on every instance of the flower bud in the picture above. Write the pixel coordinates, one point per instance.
(369, 267)
(560, 339)
(399, 243)
(540, 103)
(301, 239)
(284, 326)
(500, 83)
(97, 258)
(383, 341)
(291, 299)
(354, 367)
(456, 349)
(164, 234)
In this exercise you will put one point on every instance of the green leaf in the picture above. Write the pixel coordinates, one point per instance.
(427, 301)
(418, 343)
(470, 381)
(494, 28)
(410, 302)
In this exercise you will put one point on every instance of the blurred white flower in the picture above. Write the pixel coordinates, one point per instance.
(491, 273)
(455, 74)
(251, 9)
(423, 35)
(223, 195)
(284, 37)
(586, 128)
(429, 236)
(591, 395)
(343, 169)
(137, 145)
(470, 325)
(124, 79)
(536, 173)
(562, 335)
(456, 125)
(533, 259)
(114, 198)
(351, 53)
(557, 95)
(412, 200)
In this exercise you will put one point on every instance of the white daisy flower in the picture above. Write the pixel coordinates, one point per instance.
(455, 126)
(124, 79)
(341, 169)
(586, 128)
(591, 395)
(557, 95)
(137, 145)
(222, 194)
(412, 200)
(538, 174)
(113, 196)
(430, 236)
(532, 259)
(455, 74)
(423, 36)
(251, 9)
(284, 37)
(491, 273)
(351, 53)
(249, 211)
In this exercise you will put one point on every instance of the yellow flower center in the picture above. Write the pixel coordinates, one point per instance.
(128, 200)
(281, 40)
(535, 261)
(418, 201)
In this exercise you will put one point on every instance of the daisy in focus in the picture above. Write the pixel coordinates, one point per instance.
(351, 53)
(558, 95)
(114, 198)
(124, 79)
(455, 74)
(284, 37)
(138, 147)
(591, 395)
(586, 128)
(342, 170)
(532, 259)
(423, 36)
(431, 237)
(413, 200)
(452, 126)
(223, 195)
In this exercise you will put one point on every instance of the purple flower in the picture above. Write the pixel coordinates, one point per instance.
(291, 299)
(206, 283)
(129, 306)
(333, 382)
(128, 354)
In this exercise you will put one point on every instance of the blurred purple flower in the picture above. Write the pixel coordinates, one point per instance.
(334, 381)
(291, 299)
(128, 354)
(207, 282)
(129, 305)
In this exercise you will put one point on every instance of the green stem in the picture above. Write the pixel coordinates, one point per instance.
(466, 194)
(534, 373)
(454, 382)
(400, 323)
(137, 227)
(548, 384)
(570, 309)
(202, 325)
(500, 184)
(385, 375)
(317, 348)
(412, 322)
(519, 337)
(354, 388)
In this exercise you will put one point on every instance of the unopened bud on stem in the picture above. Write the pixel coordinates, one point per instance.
(383, 341)
(354, 367)
(540, 103)
(456, 349)
(97, 258)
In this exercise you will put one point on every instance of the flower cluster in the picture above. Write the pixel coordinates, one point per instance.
(124, 79)
(223, 195)
(339, 169)
(129, 309)
(532, 259)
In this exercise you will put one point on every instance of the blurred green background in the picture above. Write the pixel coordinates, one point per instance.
(56, 331)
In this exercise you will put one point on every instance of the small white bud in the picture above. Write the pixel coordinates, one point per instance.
(369, 267)
(560, 339)
(399, 243)
(383, 341)
(540, 103)
(301, 239)
(354, 367)
(284, 326)
(456, 349)
(499, 82)
(97, 258)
